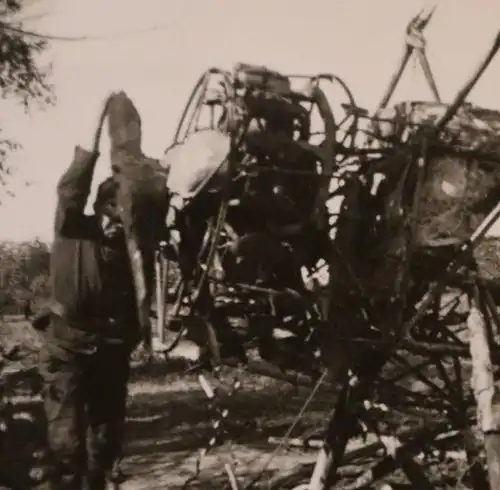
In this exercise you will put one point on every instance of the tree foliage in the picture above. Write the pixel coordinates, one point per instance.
(23, 76)
(24, 274)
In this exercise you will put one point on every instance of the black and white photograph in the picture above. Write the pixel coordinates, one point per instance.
(249, 245)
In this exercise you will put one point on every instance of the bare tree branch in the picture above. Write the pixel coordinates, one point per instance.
(22, 76)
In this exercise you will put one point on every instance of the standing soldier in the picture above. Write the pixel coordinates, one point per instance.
(90, 331)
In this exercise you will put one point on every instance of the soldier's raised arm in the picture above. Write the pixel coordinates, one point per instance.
(73, 190)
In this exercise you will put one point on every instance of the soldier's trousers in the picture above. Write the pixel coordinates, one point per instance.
(85, 404)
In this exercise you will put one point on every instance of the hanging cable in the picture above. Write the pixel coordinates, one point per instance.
(110, 37)
(17, 29)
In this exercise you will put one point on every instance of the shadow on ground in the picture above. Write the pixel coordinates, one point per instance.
(170, 420)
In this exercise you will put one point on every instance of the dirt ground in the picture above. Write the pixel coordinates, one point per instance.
(169, 421)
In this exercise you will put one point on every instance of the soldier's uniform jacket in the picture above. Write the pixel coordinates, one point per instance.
(92, 285)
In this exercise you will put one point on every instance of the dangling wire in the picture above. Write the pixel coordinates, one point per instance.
(15, 27)
(107, 37)
(219, 431)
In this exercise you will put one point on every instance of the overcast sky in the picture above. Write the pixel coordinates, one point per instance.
(360, 40)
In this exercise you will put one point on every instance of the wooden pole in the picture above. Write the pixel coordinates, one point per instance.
(426, 68)
(414, 41)
(396, 77)
(485, 392)
(160, 270)
(464, 92)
